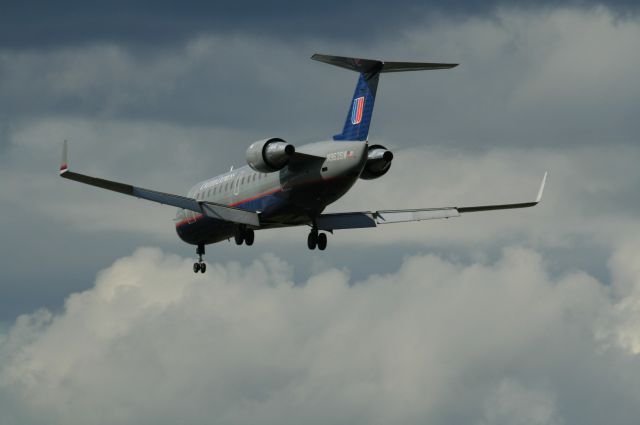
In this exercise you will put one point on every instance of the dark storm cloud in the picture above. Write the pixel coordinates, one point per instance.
(43, 23)
(526, 77)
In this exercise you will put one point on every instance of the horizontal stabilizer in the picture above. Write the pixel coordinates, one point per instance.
(367, 66)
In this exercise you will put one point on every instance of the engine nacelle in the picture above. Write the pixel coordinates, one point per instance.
(269, 155)
(378, 162)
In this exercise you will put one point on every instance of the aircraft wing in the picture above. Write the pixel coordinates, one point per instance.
(364, 219)
(209, 209)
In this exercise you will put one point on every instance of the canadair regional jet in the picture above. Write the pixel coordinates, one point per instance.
(283, 185)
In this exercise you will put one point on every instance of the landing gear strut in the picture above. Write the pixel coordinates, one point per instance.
(244, 235)
(200, 266)
(316, 239)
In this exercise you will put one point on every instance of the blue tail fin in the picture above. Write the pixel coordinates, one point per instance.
(356, 126)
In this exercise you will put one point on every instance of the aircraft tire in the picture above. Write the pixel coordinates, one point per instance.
(322, 241)
(196, 267)
(249, 237)
(203, 267)
(312, 240)
(239, 237)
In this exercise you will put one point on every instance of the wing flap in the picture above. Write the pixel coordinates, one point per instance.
(363, 219)
(354, 220)
(400, 216)
(234, 215)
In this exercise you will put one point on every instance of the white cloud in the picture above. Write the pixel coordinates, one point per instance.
(434, 341)
(511, 404)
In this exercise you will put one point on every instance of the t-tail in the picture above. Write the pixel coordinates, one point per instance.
(356, 126)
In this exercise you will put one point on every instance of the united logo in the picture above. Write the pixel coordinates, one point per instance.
(356, 111)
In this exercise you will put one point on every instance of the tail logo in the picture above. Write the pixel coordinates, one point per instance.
(356, 111)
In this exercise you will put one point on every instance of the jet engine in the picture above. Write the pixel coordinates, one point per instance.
(269, 155)
(378, 162)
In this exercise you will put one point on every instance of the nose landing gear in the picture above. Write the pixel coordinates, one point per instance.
(200, 266)
(316, 239)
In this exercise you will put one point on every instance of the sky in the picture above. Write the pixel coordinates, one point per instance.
(525, 317)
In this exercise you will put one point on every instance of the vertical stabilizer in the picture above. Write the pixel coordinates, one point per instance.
(356, 125)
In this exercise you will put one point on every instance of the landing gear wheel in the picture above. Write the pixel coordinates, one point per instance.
(249, 237)
(322, 241)
(239, 237)
(199, 266)
(312, 240)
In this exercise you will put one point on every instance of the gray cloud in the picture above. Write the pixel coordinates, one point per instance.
(537, 89)
(555, 78)
(436, 341)
(41, 24)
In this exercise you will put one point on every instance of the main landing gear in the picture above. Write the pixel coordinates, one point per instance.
(316, 239)
(200, 266)
(244, 235)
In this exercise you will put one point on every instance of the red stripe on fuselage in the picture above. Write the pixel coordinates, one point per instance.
(253, 198)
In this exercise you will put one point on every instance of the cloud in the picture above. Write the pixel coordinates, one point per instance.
(398, 324)
(434, 341)
(153, 24)
(556, 77)
(510, 403)
(528, 97)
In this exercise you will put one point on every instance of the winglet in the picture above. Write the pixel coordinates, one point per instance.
(64, 165)
(544, 180)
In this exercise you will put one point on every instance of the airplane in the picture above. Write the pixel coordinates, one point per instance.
(283, 185)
